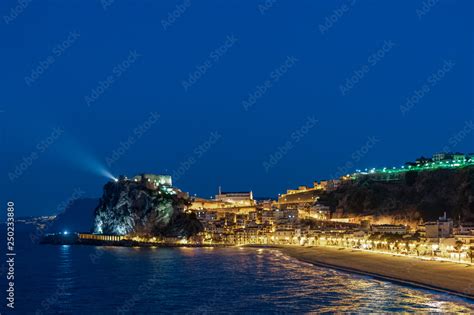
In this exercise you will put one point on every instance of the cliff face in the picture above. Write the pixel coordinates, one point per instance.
(420, 195)
(128, 207)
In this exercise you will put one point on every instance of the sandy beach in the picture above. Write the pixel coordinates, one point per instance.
(442, 276)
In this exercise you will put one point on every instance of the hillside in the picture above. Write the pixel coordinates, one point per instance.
(418, 195)
(78, 217)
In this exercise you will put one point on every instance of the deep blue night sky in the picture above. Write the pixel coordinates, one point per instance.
(197, 71)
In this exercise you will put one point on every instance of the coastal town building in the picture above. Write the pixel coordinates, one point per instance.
(225, 202)
(320, 212)
(316, 211)
(444, 156)
(307, 195)
(464, 229)
(389, 229)
(209, 204)
(441, 228)
(236, 198)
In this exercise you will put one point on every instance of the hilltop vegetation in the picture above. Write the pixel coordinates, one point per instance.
(418, 195)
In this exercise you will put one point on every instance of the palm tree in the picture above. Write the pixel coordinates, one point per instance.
(470, 253)
(458, 247)
(417, 248)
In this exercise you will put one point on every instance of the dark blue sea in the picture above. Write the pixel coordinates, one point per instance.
(115, 280)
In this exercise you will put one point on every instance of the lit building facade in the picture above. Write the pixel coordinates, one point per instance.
(441, 228)
(236, 198)
(389, 229)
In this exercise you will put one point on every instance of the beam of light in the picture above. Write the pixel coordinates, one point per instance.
(93, 165)
(107, 174)
(84, 159)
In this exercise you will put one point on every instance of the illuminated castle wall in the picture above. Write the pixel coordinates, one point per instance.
(164, 180)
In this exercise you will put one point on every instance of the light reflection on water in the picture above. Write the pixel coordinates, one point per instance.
(200, 280)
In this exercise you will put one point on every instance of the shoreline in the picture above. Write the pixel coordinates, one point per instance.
(140, 245)
(121, 243)
(452, 278)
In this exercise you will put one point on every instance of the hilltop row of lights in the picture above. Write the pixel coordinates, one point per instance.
(422, 165)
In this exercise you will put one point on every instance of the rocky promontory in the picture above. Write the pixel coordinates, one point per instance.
(144, 206)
